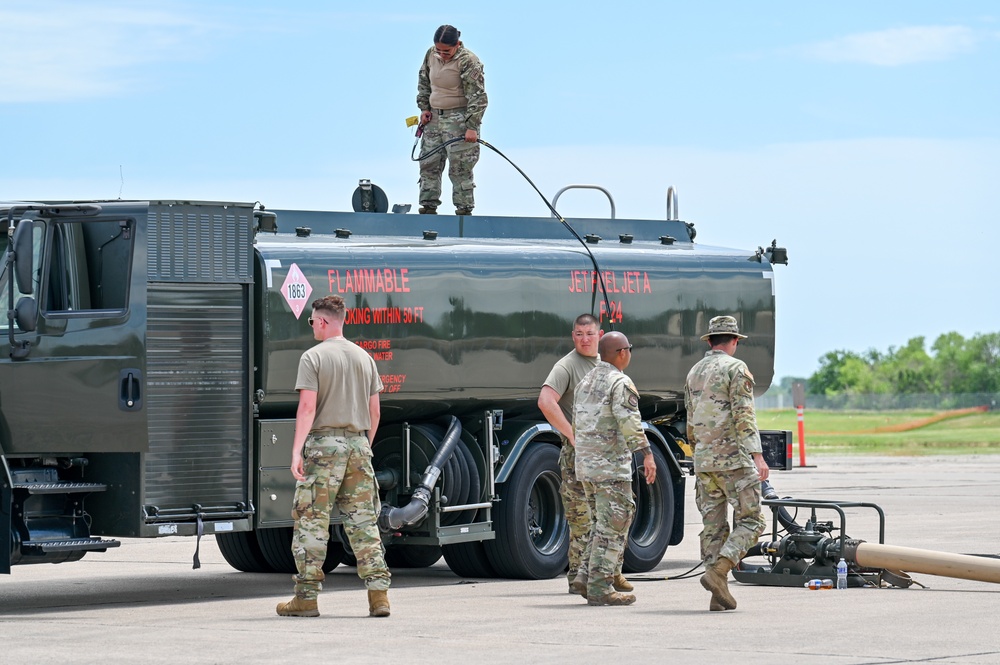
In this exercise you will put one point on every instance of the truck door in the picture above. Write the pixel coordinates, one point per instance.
(79, 386)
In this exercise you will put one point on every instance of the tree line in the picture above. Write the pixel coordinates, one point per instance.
(955, 364)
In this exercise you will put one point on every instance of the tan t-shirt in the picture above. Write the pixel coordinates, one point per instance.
(565, 375)
(344, 377)
(446, 84)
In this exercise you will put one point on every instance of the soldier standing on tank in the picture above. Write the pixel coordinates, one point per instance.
(451, 95)
(555, 401)
(728, 463)
(608, 430)
(337, 416)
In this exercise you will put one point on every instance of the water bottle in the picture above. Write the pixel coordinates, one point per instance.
(842, 574)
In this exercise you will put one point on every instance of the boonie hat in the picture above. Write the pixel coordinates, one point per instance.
(723, 325)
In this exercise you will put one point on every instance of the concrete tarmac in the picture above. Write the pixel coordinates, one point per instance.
(142, 602)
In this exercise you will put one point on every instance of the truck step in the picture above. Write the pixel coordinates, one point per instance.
(60, 487)
(68, 545)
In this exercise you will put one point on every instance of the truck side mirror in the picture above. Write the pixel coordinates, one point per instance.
(26, 314)
(24, 252)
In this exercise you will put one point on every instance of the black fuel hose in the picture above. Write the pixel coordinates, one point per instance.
(555, 213)
(392, 518)
(786, 520)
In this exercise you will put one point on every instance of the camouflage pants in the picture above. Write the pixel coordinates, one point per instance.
(577, 512)
(739, 488)
(337, 469)
(461, 157)
(611, 508)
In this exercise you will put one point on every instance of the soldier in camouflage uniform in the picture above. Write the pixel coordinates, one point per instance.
(728, 463)
(555, 401)
(451, 96)
(338, 414)
(608, 430)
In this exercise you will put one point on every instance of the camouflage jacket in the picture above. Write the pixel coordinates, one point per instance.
(607, 425)
(721, 422)
(473, 85)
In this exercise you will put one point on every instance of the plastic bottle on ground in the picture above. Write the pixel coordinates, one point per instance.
(842, 574)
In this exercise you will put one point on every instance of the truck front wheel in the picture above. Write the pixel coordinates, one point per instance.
(532, 539)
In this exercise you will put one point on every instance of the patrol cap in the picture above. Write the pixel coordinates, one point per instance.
(723, 325)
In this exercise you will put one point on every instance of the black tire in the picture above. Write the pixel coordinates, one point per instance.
(412, 556)
(276, 545)
(532, 539)
(468, 559)
(649, 535)
(274, 548)
(241, 551)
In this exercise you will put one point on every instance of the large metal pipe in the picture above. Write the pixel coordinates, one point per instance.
(392, 518)
(929, 562)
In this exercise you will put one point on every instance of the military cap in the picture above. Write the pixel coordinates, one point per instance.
(723, 325)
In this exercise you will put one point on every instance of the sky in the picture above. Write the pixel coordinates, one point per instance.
(863, 136)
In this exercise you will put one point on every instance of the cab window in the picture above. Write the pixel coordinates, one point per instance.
(88, 266)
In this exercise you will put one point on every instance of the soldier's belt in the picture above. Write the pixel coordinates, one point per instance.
(338, 432)
(443, 111)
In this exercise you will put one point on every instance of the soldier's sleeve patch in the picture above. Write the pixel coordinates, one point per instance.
(632, 397)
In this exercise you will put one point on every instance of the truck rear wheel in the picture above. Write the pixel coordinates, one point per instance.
(468, 559)
(412, 556)
(276, 545)
(532, 539)
(268, 551)
(649, 535)
(241, 551)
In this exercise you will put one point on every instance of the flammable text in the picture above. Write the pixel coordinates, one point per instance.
(369, 280)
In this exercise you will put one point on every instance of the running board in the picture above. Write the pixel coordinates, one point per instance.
(41, 547)
(60, 487)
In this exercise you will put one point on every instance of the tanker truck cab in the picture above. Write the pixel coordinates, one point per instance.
(108, 382)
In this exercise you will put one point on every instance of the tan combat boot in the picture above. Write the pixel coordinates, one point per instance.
(716, 580)
(298, 607)
(613, 598)
(378, 603)
(579, 585)
(622, 584)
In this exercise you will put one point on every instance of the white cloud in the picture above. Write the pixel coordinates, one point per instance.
(898, 46)
(65, 51)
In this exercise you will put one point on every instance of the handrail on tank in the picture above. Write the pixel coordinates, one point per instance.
(672, 212)
(555, 199)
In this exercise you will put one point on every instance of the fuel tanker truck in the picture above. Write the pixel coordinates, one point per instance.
(148, 385)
